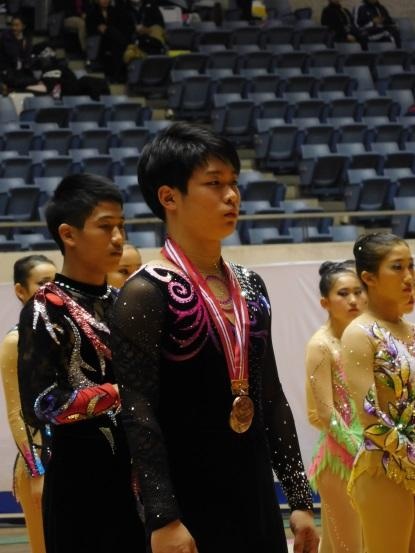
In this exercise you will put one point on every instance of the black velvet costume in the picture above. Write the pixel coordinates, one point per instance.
(89, 505)
(176, 397)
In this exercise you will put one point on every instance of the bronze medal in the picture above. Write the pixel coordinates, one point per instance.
(242, 414)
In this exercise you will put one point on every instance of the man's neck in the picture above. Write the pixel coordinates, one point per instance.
(82, 274)
(206, 255)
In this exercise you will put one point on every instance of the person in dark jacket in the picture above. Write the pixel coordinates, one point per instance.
(15, 46)
(374, 21)
(16, 57)
(340, 22)
(107, 21)
(74, 17)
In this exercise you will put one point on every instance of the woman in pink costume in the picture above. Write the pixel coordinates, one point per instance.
(331, 410)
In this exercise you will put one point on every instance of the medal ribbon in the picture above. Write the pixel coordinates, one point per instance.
(235, 344)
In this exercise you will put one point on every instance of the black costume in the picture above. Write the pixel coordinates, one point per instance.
(177, 398)
(64, 375)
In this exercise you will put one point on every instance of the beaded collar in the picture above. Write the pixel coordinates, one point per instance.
(100, 292)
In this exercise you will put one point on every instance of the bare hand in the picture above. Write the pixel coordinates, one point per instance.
(36, 488)
(306, 539)
(351, 38)
(102, 29)
(173, 538)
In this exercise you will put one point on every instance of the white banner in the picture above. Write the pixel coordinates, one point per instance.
(293, 289)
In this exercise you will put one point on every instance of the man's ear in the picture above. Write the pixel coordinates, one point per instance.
(167, 197)
(66, 233)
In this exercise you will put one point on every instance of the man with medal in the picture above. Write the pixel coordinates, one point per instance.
(205, 415)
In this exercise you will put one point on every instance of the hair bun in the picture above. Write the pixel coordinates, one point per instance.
(326, 267)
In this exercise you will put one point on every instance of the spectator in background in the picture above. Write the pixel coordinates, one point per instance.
(374, 21)
(74, 17)
(16, 56)
(340, 22)
(107, 22)
(145, 29)
(25, 8)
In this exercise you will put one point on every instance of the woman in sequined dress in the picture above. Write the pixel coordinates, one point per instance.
(207, 417)
(378, 352)
(29, 273)
(66, 378)
(331, 410)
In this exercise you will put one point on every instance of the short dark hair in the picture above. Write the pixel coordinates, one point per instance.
(18, 16)
(74, 199)
(174, 154)
(329, 271)
(370, 249)
(23, 266)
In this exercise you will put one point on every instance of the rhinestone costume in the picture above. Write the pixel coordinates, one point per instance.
(28, 439)
(388, 410)
(176, 393)
(331, 408)
(65, 378)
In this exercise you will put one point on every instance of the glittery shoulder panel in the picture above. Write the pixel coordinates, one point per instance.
(50, 294)
(189, 318)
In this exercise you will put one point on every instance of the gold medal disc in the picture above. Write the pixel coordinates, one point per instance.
(242, 414)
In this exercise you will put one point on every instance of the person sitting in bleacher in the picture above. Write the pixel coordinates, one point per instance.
(107, 21)
(147, 29)
(74, 17)
(374, 21)
(16, 57)
(340, 22)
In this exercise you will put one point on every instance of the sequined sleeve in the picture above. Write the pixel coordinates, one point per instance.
(23, 435)
(47, 350)
(282, 435)
(136, 335)
(323, 375)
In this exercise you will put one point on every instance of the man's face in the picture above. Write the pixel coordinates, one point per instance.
(98, 246)
(17, 26)
(210, 207)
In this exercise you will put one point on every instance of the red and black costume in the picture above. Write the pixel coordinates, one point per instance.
(65, 379)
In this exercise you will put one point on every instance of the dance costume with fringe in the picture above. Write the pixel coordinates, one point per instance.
(340, 431)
